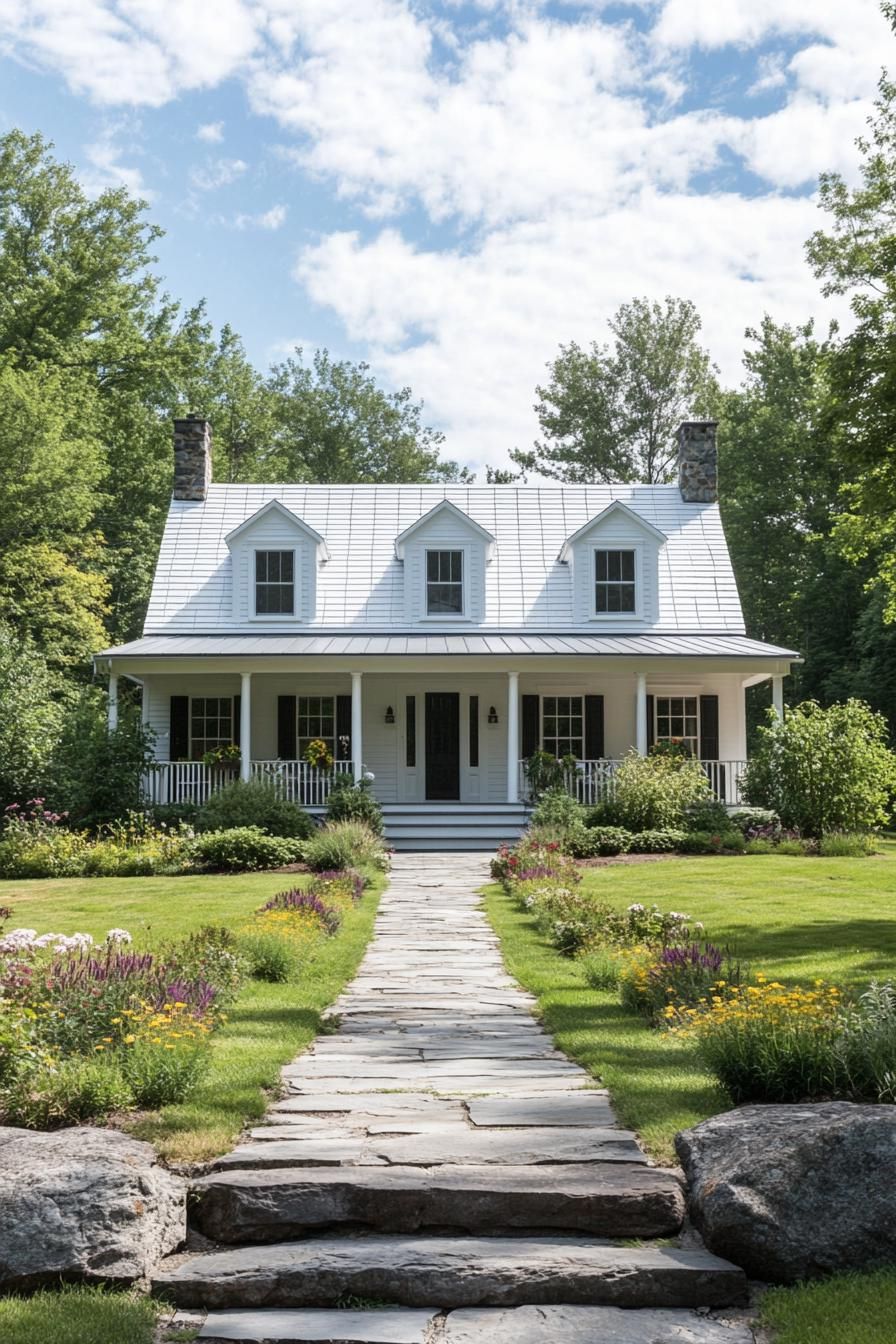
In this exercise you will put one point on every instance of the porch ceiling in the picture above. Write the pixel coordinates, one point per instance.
(324, 645)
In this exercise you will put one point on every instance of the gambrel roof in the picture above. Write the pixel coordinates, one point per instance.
(362, 587)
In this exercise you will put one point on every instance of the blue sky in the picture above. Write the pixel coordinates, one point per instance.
(451, 190)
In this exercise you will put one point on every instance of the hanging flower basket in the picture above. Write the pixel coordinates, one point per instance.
(318, 754)
(225, 759)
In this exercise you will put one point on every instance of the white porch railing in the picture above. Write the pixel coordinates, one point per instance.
(193, 782)
(594, 781)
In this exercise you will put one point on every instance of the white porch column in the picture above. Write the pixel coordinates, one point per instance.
(245, 725)
(112, 706)
(641, 715)
(357, 742)
(513, 737)
(778, 696)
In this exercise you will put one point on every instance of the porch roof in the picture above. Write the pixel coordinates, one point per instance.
(451, 645)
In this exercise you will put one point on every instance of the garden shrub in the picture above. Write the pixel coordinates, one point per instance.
(344, 844)
(601, 968)
(37, 843)
(599, 814)
(69, 1092)
(99, 772)
(824, 770)
(759, 845)
(247, 849)
(545, 773)
(755, 822)
(867, 1047)
(254, 802)
(794, 846)
(349, 801)
(585, 842)
(556, 809)
(656, 842)
(302, 907)
(653, 793)
(845, 845)
(712, 842)
(270, 956)
(706, 815)
(164, 1073)
(658, 982)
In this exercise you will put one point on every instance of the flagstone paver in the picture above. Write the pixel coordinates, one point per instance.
(433, 1149)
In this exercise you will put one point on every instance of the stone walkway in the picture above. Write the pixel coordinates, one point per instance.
(437, 1154)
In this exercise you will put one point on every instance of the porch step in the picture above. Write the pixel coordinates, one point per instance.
(454, 826)
(516, 1325)
(600, 1199)
(454, 1272)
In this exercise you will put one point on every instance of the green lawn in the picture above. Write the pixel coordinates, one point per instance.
(78, 1316)
(794, 918)
(269, 1023)
(849, 1309)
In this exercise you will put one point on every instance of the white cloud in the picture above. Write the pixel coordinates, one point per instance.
(211, 131)
(104, 167)
(271, 219)
(217, 173)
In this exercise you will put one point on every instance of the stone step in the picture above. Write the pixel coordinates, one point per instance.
(453, 1272)
(517, 1325)
(455, 1145)
(599, 1199)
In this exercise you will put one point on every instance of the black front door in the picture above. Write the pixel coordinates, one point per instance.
(443, 745)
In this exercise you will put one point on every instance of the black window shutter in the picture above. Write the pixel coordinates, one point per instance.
(236, 719)
(286, 727)
(709, 727)
(179, 728)
(343, 726)
(410, 712)
(531, 736)
(651, 722)
(594, 727)
(474, 732)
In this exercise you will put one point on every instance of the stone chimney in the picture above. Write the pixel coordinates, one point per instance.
(698, 466)
(192, 458)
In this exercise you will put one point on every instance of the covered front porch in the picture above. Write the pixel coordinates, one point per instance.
(435, 731)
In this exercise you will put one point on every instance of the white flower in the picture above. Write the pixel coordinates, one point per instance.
(18, 940)
(699, 925)
(636, 909)
(46, 939)
(118, 936)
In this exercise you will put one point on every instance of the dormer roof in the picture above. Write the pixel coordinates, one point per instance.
(275, 506)
(444, 506)
(617, 507)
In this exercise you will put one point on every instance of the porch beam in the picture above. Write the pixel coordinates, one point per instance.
(357, 741)
(245, 725)
(112, 704)
(641, 714)
(778, 696)
(513, 737)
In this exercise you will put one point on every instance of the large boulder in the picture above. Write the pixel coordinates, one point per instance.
(84, 1204)
(795, 1192)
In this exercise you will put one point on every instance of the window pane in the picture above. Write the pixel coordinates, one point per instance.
(444, 582)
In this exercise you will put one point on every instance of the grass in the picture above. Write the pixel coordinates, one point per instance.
(794, 918)
(78, 1316)
(268, 1025)
(848, 1309)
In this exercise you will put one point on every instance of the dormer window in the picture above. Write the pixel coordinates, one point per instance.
(275, 586)
(444, 583)
(614, 582)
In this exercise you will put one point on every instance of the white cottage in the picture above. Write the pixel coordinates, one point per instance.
(435, 636)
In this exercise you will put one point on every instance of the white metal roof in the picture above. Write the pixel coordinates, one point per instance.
(336, 645)
(361, 586)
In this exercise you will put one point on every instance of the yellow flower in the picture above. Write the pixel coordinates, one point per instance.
(130, 1039)
(116, 1021)
(99, 1047)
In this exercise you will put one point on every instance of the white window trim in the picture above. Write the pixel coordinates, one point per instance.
(233, 722)
(453, 617)
(617, 617)
(677, 694)
(274, 616)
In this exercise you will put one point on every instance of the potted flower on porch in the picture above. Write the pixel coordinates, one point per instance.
(318, 754)
(224, 759)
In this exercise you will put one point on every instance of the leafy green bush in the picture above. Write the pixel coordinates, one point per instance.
(601, 967)
(68, 1093)
(824, 770)
(707, 815)
(254, 803)
(99, 773)
(654, 793)
(344, 844)
(657, 842)
(867, 1047)
(712, 842)
(159, 1075)
(600, 814)
(794, 847)
(760, 846)
(659, 982)
(843, 845)
(349, 801)
(556, 809)
(611, 840)
(270, 957)
(245, 849)
(545, 773)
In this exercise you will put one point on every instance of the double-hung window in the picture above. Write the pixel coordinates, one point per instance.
(563, 726)
(444, 583)
(614, 582)
(317, 722)
(677, 720)
(275, 583)
(211, 724)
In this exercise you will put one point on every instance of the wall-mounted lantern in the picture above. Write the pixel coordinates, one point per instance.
(390, 714)
(492, 714)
